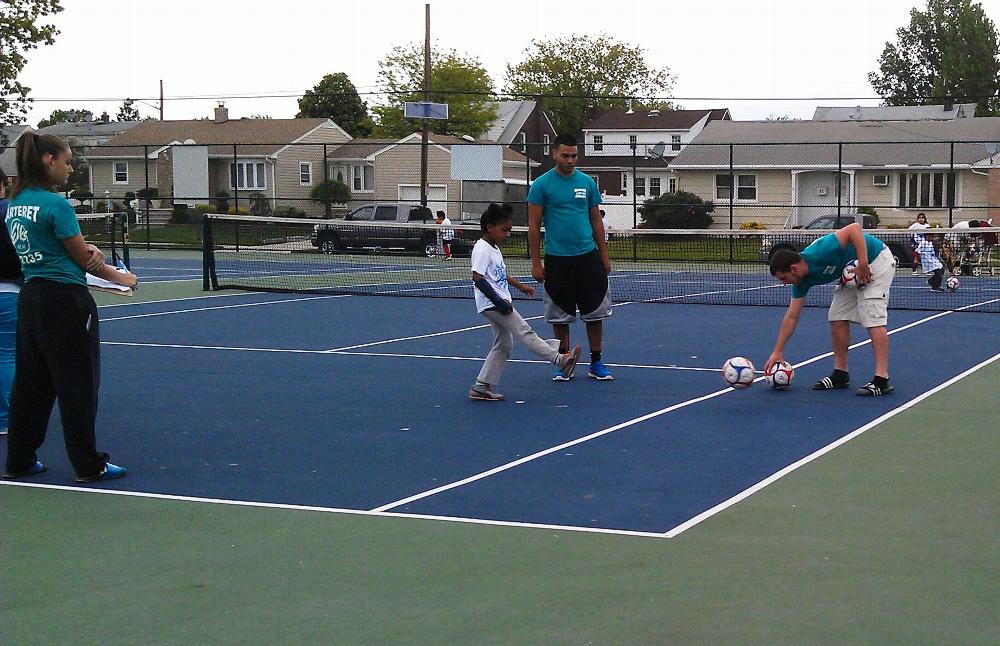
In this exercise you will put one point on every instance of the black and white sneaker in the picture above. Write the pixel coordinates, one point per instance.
(871, 390)
(826, 383)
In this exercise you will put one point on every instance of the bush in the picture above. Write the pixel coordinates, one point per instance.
(752, 226)
(289, 212)
(222, 201)
(80, 193)
(870, 210)
(331, 192)
(205, 208)
(680, 210)
(181, 214)
(148, 193)
(259, 204)
(83, 209)
(240, 211)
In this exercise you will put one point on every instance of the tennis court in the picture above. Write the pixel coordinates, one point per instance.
(319, 451)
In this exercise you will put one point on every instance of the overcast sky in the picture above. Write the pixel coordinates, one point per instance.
(721, 51)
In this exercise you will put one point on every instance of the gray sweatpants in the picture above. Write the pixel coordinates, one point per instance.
(505, 327)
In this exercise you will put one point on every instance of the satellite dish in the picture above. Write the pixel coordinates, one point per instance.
(656, 152)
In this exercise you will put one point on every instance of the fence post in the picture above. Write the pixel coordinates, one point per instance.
(635, 204)
(840, 164)
(326, 178)
(234, 175)
(732, 199)
(146, 199)
(950, 189)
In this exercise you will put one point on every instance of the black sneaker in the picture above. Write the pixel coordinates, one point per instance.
(871, 390)
(826, 383)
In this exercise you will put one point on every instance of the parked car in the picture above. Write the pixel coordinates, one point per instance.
(898, 243)
(340, 234)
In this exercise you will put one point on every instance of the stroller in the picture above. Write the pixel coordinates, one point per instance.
(971, 254)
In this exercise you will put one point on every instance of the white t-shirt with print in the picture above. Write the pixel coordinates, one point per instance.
(488, 261)
(447, 233)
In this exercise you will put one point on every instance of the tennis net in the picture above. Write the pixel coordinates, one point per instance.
(702, 266)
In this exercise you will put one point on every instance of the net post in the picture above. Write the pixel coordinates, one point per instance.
(326, 178)
(236, 183)
(208, 276)
(125, 253)
(145, 160)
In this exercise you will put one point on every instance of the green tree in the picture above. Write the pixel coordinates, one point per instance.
(593, 73)
(336, 98)
(21, 29)
(460, 81)
(128, 112)
(678, 210)
(66, 116)
(949, 50)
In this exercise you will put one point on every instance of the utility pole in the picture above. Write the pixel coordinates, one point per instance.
(161, 99)
(427, 98)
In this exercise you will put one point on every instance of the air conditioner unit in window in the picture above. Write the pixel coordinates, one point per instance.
(821, 191)
(880, 179)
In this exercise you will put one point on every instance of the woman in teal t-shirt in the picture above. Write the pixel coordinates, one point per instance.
(58, 342)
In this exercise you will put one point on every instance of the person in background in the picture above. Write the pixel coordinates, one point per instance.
(920, 223)
(604, 221)
(58, 340)
(11, 280)
(447, 234)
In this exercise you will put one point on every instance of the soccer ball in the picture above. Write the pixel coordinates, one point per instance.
(849, 277)
(952, 283)
(738, 372)
(780, 375)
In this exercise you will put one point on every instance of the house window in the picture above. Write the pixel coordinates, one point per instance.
(723, 187)
(926, 190)
(675, 142)
(545, 141)
(305, 173)
(640, 185)
(624, 181)
(121, 172)
(362, 177)
(746, 187)
(633, 141)
(247, 175)
(598, 143)
(672, 184)
(654, 186)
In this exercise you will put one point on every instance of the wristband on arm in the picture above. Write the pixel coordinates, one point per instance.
(503, 306)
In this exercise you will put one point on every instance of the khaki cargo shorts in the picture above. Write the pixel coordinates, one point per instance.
(869, 306)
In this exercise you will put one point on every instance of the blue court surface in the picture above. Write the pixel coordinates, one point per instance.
(359, 404)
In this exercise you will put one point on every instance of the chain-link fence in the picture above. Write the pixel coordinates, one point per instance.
(165, 186)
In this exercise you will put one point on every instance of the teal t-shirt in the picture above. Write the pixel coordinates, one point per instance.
(826, 260)
(566, 217)
(38, 222)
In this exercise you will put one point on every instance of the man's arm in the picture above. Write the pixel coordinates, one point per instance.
(788, 324)
(853, 234)
(535, 213)
(597, 224)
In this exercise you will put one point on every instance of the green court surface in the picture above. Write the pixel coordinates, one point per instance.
(888, 539)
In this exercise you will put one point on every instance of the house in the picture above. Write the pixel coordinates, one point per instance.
(8, 158)
(88, 133)
(192, 161)
(658, 135)
(381, 170)
(520, 124)
(897, 112)
(786, 173)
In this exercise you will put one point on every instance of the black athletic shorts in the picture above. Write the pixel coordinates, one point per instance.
(576, 283)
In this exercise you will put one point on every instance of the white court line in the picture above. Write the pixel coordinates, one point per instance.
(746, 493)
(230, 294)
(334, 510)
(219, 307)
(587, 438)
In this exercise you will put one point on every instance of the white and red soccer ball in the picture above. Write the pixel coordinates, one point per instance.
(780, 375)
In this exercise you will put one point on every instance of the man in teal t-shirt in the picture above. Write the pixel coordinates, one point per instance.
(864, 302)
(38, 222)
(576, 265)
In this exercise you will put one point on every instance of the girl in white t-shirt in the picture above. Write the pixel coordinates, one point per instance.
(920, 223)
(493, 300)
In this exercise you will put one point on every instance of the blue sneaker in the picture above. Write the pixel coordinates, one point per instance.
(559, 376)
(109, 472)
(599, 372)
(34, 469)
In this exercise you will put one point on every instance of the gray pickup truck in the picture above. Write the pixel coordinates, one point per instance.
(898, 243)
(341, 234)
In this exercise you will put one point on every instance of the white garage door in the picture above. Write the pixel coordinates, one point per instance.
(437, 197)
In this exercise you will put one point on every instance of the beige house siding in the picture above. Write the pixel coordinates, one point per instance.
(288, 190)
(102, 177)
(771, 208)
(401, 166)
(514, 171)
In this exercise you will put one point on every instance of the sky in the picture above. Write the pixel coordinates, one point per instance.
(722, 52)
